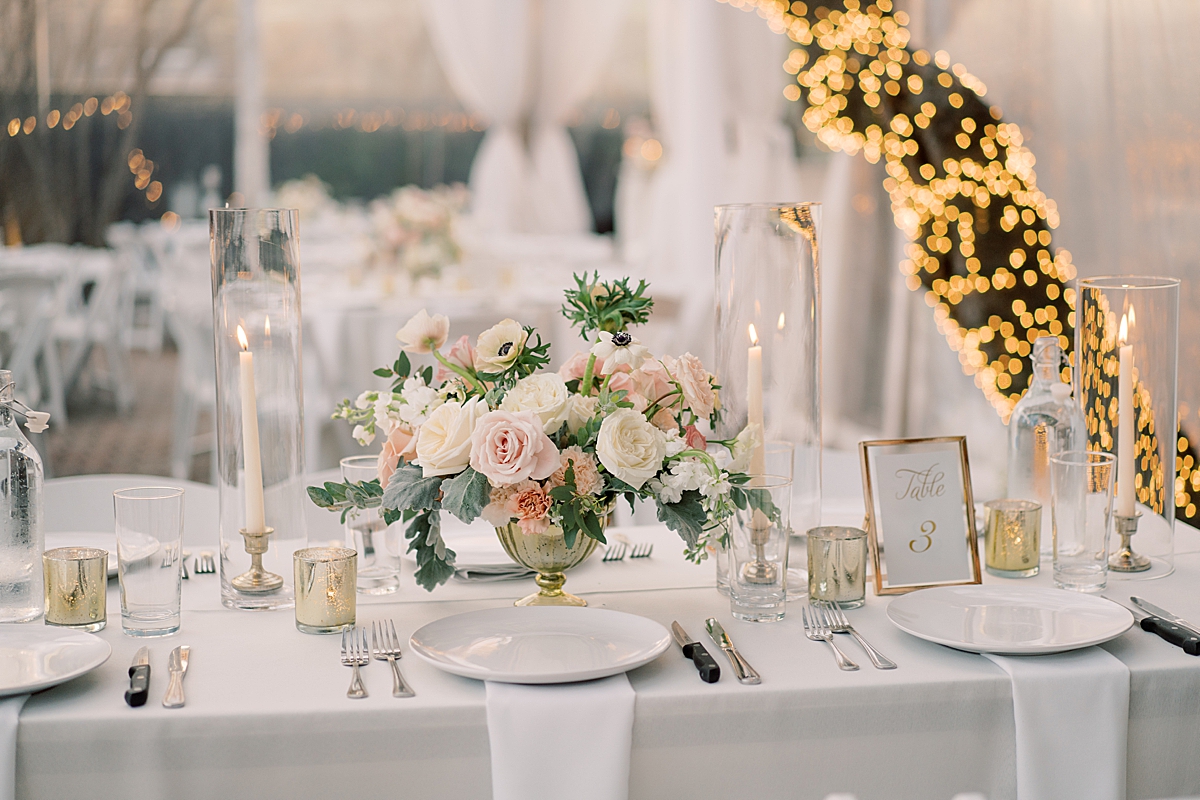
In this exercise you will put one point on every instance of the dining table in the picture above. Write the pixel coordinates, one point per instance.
(267, 713)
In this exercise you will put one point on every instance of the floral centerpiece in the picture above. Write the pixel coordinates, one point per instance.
(494, 434)
(414, 228)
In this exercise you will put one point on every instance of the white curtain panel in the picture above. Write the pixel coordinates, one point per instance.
(576, 38)
(483, 46)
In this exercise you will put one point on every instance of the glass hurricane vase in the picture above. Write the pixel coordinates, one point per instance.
(548, 555)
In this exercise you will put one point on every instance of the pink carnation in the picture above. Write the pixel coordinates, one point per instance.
(531, 506)
(508, 447)
(587, 477)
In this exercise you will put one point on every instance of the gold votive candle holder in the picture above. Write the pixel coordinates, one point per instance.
(76, 586)
(1013, 532)
(837, 565)
(326, 583)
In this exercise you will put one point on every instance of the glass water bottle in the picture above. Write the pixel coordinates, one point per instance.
(1046, 421)
(21, 542)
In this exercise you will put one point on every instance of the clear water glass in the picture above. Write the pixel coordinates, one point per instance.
(149, 524)
(76, 587)
(758, 551)
(378, 545)
(1081, 489)
(837, 565)
(325, 589)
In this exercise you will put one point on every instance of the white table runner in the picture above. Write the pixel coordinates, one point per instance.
(1072, 723)
(10, 712)
(569, 741)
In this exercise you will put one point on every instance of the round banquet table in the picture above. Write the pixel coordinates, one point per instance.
(267, 714)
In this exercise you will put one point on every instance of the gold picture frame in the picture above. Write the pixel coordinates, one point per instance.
(965, 571)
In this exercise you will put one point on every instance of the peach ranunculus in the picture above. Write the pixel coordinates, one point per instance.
(401, 444)
(508, 447)
(694, 438)
(531, 506)
(696, 383)
(462, 354)
(423, 333)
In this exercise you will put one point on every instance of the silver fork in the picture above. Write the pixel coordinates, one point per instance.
(817, 629)
(615, 552)
(355, 654)
(385, 646)
(839, 624)
(642, 550)
(204, 564)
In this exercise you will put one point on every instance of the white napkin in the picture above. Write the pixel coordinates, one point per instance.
(1072, 719)
(10, 712)
(568, 741)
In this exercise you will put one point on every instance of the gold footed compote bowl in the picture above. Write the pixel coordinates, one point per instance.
(547, 553)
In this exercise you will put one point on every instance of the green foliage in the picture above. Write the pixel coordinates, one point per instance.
(466, 494)
(595, 305)
(435, 562)
(410, 490)
(687, 517)
(345, 497)
(579, 513)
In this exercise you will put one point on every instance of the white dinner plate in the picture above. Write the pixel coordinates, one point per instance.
(540, 644)
(1009, 620)
(103, 541)
(36, 656)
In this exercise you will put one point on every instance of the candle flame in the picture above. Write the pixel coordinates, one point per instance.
(241, 335)
(780, 324)
(1123, 336)
(267, 327)
(753, 334)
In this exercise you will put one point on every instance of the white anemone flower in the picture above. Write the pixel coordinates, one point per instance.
(619, 348)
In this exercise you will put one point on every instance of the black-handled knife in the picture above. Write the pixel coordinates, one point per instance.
(709, 669)
(139, 679)
(1168, 627)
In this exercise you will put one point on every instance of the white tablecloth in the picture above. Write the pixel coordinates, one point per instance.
(267, 713)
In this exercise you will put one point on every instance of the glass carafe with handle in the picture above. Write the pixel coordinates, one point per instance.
(21, 540)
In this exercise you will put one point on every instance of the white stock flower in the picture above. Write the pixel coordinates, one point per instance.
(619, 348)
(444, 441)
(630, 447)
(545, 394)
(423, 333)
(675, 443)
(499, 346)
(580, 410)
(365, 400)
(362, 435)
(743, 448)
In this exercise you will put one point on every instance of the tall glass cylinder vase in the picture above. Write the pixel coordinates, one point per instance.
(1126, 341)
(260, 403)
(768, 340)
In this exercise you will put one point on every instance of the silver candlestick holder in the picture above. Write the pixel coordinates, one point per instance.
(257, 580)
(759, 570)
(1125, 559)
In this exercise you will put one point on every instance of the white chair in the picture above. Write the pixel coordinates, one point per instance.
(28, 302)
(141, 308)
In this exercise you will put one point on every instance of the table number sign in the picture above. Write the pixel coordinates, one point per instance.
(920, 513)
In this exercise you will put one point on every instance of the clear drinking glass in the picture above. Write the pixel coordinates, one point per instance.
(837, 565)
(1013, 531)
(378, 546)
(779, 458)
(149, 524)
(76, 581)
(758, 551)
(1081, 492)
(326, 600)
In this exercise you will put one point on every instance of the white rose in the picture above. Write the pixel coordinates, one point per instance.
(545, 395)
(444, 441)
(580, 410)
(630, 447)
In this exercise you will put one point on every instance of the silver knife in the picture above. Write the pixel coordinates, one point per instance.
(177, 664)
(741, 667)
(1162, 613)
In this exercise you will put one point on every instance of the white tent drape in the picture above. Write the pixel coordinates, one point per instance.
(525, 65)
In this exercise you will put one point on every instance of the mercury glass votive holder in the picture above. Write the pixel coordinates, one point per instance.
(76, 587)
(326, 582)
(837, 565)
(1013, 531)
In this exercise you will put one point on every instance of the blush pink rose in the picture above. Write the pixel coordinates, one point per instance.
(652, 381)
(401, 444)
(694, 438)
(462, 354)
(573, 368)
(508, 447)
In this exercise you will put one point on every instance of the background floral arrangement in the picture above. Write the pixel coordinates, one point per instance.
(414, 228)
(494, 435)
